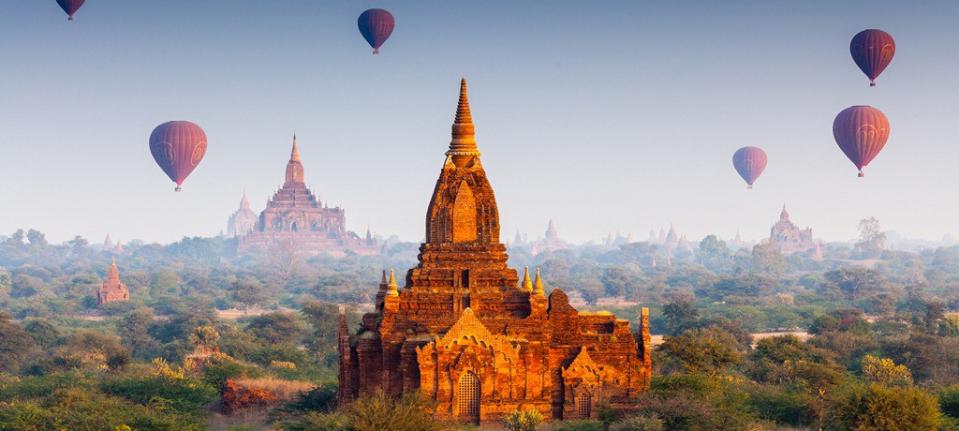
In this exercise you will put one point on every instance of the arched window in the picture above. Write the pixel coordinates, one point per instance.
(584, 403)
(468, 397)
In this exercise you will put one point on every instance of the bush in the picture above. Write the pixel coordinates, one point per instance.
(526, 420)
(877, 407)
(185, 395)
(579, 425)
(638, 423)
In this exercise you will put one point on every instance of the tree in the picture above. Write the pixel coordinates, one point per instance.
(767, 258)
(15, 344)
(680, 315)
(44, 333)
(134, 331)
(876, 407)
(276, 328)
(707, 350)
(36, 238)
(871, 238)
(713, 253)
(77, 244)
(858, 283)
(885, 372)
(247, 292)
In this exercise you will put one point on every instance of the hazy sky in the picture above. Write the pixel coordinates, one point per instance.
(605, 116)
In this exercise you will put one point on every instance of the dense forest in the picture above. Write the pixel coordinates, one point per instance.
(211, 340)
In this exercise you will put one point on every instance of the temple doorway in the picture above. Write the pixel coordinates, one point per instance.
(584, 404)
(469, 395)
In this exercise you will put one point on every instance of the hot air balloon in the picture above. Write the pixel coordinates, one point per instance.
(178, 147)
(70, 7)
(750, 163)
(872, 50)
(861, 132)
(376, 25)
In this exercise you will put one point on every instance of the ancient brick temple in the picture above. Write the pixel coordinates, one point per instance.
(295, 221)
(469, 334)
(790, 239)
(112, 289)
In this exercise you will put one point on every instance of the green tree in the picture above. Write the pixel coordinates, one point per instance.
(871, 238)
(247, 292)
(767, 258)
(16, 344)
(885, 371)
(680, 315)
(706, 350)
(875, 407)
(276, 328)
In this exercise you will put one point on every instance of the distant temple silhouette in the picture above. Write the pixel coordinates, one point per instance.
(295, 220)
(790, 239)
(471, 335)
(112, 289)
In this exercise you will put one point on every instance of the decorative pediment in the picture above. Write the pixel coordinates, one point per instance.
(467, 327)
(583, 370)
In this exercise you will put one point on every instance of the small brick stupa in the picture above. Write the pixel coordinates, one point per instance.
(468, 334)
(112, 289)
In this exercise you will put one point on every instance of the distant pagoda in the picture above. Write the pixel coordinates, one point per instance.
(112, 289)
(296, 220)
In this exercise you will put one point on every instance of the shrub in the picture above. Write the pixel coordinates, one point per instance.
(638, 423)
(183, 395)
(878, 407)
(526, 420)
(578, 425)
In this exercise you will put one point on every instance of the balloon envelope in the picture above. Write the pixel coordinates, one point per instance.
(750, 163)
(861, 132)
(70, 7)
(376, 25)
(872, 50)
(178, 147)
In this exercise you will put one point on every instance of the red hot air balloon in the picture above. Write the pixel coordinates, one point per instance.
(70, 7)
(178, 147)
(376, 25)
(872, 51)
(750, 163)
(861, 132)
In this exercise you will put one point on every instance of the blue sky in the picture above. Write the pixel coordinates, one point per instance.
(605, 116)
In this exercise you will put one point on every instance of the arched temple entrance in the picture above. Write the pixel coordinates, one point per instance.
(584, 404)
(468, 394)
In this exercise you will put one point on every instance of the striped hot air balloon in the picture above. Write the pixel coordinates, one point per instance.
(70, 7)
(749, 163)
(872, 50)
(376, 25)
(178, 147)
(861, 132)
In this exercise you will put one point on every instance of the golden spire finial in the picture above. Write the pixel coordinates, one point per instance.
(538, 285)
(527, 283)
(463, 145)
(393, 288)
(295, 154)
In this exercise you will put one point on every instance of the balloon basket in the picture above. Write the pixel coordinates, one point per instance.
(861, 174)
(872, 84)
(178, 189)
(749, 187)
(376, 51)
(69, 18)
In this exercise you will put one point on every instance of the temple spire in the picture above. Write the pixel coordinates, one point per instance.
(244, 202)
(393, 288)
(295, 153)
(463, 145)
(538, 285)
(527, 283)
